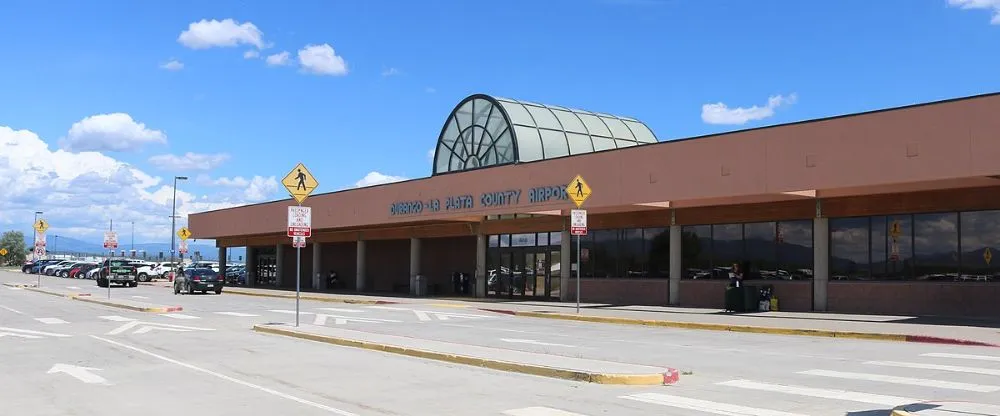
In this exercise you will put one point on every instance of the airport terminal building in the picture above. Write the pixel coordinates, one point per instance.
(891, 212)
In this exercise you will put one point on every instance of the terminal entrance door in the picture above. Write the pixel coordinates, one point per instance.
(524, 272)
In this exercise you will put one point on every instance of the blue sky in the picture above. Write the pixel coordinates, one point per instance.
(685, 68)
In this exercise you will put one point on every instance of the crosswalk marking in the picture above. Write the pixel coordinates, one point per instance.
(539, 411)
(922, 366)
(390, 308)
(180, 316)
(878, 399)
(73, 287)
(140, 297)
(961, 356)
(341, 310)
(236, 314)
(981, 388)
(51, 321)
(705, 405)
(116, 318)
(288, 311)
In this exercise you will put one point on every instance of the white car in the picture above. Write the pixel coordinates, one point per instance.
(164, 268)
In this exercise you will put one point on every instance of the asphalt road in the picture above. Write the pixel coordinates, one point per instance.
(205, 361)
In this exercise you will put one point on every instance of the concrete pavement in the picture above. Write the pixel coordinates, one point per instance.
(728, 373)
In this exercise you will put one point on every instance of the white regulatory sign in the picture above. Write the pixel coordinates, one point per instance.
(298, 242)
(110, 240)
(299, 221)
(578, 222)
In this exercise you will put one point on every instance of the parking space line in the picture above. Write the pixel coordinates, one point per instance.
(11, 310)
(51, 321)
(116, 318)
(180, 316)
(241, 314)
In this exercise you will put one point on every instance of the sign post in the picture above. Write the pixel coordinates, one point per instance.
(578, 191)
(299, 183)
(40, 226)
(110, 244)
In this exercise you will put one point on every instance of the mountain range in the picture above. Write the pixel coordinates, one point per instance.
(69, 245)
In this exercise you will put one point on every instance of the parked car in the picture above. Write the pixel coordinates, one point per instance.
(199, 279)
(118, 271)
(82, 268)
(49, 269)
(33, 266)
(63, 271)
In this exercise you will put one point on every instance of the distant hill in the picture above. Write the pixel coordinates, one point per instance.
(69, 245)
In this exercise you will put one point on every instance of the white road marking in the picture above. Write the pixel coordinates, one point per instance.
(961, 356)
(427, 315)
(288, 311)
(83, 374)
(116, 318)
(422, 316)
(73, 287)
(236, 314)
(11, 310)
(878, 399)
(140, 297)
(51, 321)
(704, 405)
(13, 288)
(981, 388)
(533, 342)
(341, 310)
(539, 411)
(922, 366)
(179, 316)
(342, 320)
(230, 379)
(390, 308)
(144, 327)
(15, 332)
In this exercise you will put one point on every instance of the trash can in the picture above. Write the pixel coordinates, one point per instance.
(742, 298)
(420, 284)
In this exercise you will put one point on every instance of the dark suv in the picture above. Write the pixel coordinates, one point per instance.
(119, 271)
(199, 279)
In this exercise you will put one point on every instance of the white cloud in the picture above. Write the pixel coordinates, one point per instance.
(430, 155)
(391, 72)
(321, 60)
(430, 90)
(81, 192)
(377, 178)
(278, 59)
(110, 132)
(226, 33)
(188, 161)
(720, 113)
(991, 5)
(255, 189)
(173, 65)
(251, 54)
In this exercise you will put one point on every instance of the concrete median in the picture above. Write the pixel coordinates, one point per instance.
(544, 365)
(307, 296)
(115, 303)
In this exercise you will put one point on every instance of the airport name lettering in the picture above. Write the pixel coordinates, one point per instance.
(495, 199)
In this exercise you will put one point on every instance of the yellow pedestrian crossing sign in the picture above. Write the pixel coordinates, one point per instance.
(184, 233)
(300, 183)
(3, 252)
(41, 225)
(578, 190)
(988, 256)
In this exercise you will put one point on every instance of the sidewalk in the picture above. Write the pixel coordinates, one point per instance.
(956, 331)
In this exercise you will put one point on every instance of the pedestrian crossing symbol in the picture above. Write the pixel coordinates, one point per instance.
(300, 183)
(41, 225)
(184, 233)
(578, 191)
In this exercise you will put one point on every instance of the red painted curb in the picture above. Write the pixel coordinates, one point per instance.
(502, 311)
(672, 376)
(174, 309)
(947, 341)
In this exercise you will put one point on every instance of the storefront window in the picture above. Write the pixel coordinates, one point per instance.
(522, 240)
(761, 252)
(795, 249)
(899, 247)
(494, 241)
(727, 248)
(657, 246)
(935, 246)
(631, 254)
(980, 231)
(543, 239)
(849, 248)
(604, 254)
(696, 251)
(555, 238)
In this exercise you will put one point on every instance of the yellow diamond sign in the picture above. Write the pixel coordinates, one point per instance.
(987, 255)
(184, 233)
(41, 225)
(300, 183)
(578, 190)
(3, 252)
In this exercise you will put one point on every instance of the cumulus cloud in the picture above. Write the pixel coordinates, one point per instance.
(251, 54)
(321, 60)
(188, 161)
(110, 132)
(377, 178)
(720, 113)
(173, 65)
(255, 189)
(391, 72)
(226, 33)
(278, 59)
(992, 5)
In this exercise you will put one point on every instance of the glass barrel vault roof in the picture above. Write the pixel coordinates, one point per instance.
(490, 131)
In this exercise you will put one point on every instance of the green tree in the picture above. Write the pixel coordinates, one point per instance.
(13, 241)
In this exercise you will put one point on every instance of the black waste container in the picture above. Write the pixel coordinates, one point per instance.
(742, 299)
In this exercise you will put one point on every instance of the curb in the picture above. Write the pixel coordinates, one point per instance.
(747, 328)
(85, 297)
(670, 376)
(315, 298)
(900, 412)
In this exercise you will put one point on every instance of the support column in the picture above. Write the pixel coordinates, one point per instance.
(676, 248)
(360, 263)
(821, 262)
(565, 265)
(222, 262)
(251, 267)
(481, 283)
(414, 264)
(319, 283)
(279, 260)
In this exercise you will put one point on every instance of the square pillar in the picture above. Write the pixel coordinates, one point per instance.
(279, 263)
(360, 282)
(251, 267)
(676, 270)
(821, 262)
(319, 283)
(565, 265)
(222, 262)
(481, 284)
(414, 264)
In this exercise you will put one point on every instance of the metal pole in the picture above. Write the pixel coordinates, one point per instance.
(111, 227)
(579, 266)
(298, 281)
(34, 240)
(173, 221)
(132, 248)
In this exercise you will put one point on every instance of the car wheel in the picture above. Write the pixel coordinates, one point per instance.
(143, 277)
(218, 291)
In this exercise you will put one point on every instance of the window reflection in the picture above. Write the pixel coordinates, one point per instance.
(696, 251)
(935, 246)
(980, 238)
(657, 246)
(795, 249)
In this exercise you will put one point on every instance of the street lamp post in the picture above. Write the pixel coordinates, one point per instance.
(131, 249)
(55, 247)
(173, 217)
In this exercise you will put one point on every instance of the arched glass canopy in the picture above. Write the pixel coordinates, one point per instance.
(486, 131)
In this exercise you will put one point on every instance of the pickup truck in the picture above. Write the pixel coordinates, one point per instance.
(117, 271)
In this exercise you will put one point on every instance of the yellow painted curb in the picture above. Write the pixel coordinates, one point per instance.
(309, 297)
(715, 327)
(901, 413)
(537, 370)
